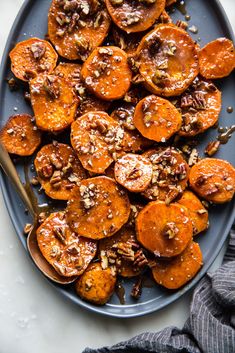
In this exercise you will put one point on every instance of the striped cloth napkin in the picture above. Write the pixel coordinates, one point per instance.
(211, 325)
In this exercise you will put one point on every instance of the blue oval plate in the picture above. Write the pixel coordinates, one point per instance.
(209, 17)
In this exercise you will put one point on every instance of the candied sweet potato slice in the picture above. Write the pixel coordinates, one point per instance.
(98, 208)
(59, 170)
(135, 16)
(176, 272)
(213, 179)
(200, 107)
(106, 73)
(68, 253)
(217, 59)
(168, 60)
(197, 212)
(134, 172)
(164, 230)
(170, 174)
(95, 137)
(77, 27)
(156, 118)
(54, 102)
(20, 135)
(123, 252)
(32, 57)
(96, 285)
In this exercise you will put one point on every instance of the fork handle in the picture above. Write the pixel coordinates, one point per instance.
(10, 171)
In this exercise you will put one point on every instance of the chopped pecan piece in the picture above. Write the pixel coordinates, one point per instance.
(60, 233)
(212, 148)
(140, 259)
(137, 289)
(38, 50)
(170, 230)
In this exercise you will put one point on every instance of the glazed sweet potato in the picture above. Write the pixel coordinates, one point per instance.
(156, 118)
(96, 285)
(98, 208)
(213, 179)
(20, 135)
(164, 230)
(123, 251)
(59, 170)
(32, 57)
(77, 27)
(217, 59)
(94, 137)
(197, 212)
(168, 60)
(68, 253)
(54, 102)
(176, 272)
(132, 16)
(134, 141)
(106, 73)
(170, 174)
(200, 106)
(134, 172)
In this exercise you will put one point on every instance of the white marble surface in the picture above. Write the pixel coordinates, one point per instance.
(33, 316)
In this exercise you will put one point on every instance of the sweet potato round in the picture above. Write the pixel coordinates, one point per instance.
(170, 174)
(94, 136)
(200, 107)
(106, 73)
(98, 208)
(213, 179)
(135, 16)
(176, 272)
(54, 102)
(59, 170)
(20, 135)
(156, 118)
(197, 212)
(68, 253)
(168, 60)
(96, 285)
(76, 33)
(32, 57)
(217, 59)
(164, 230)
(134, 172)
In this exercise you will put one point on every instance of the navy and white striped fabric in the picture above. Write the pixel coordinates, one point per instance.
(211, 325)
